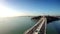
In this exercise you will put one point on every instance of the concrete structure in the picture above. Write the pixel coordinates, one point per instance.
(40, 26)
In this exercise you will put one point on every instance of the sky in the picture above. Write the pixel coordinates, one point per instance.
(29, 7)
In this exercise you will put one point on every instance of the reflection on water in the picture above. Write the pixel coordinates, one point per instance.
(53, 27)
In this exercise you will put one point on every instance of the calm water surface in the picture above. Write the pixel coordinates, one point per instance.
(53, 27)
(18, 25)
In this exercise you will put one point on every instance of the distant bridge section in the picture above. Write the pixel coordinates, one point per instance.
(49, 18)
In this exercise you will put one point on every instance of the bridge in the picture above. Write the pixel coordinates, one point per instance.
(39, 27)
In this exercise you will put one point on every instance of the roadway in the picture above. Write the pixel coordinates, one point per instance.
(40, 25)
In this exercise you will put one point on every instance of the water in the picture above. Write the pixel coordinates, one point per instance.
(18, 25)
(15, 25)
(53, 27)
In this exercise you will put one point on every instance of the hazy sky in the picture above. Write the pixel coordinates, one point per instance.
(31, 7)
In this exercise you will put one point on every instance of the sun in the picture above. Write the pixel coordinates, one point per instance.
(7, 12)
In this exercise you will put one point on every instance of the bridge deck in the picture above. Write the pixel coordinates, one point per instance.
(40, 25)
(41, 28)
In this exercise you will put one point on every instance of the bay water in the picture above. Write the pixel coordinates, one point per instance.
(53, 27)
(18, 25)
